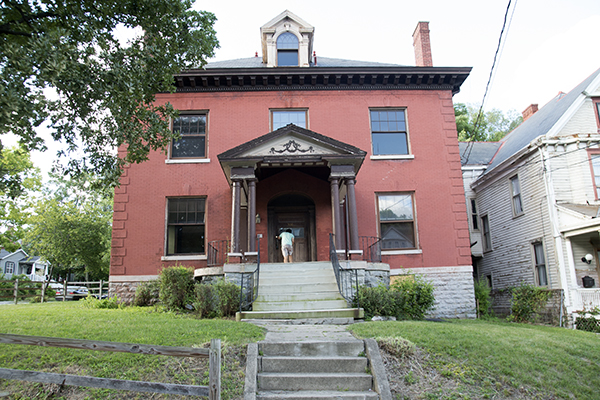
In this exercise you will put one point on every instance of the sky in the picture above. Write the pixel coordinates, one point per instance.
(549, 47)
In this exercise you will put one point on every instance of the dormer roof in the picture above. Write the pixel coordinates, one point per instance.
(286, 22)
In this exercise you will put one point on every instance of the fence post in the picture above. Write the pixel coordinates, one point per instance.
(16, 290)
(214, 372)
(100, 293)
(64, 291)
(43, 290)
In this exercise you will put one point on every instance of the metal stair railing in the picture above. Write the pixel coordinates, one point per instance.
(249, 294)
(217, 253)
(371, 247)
(343, 276)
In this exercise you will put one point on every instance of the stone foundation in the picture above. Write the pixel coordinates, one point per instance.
(549, 315)
(454, 292)
(124, 287)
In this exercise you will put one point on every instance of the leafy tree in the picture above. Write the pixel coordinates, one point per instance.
(492, 126)
(71, 228)
(62, 64)
(19, 180)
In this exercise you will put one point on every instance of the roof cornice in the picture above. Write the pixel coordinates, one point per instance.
(322, 78)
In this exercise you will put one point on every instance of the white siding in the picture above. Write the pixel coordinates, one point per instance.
(583, 121)
(511, 260)
(469, 175)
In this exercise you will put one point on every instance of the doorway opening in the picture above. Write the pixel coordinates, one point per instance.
(296, 212)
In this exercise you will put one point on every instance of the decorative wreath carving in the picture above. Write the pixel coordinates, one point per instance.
(292, 147)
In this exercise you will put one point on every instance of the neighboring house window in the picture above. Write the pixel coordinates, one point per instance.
(540, 264)
(596, 169)
(388, 132)
(396, 221)
(516, 196)
(474, 217)
(597, 106)
(287, 50)
(192, 144)
(185, 226)
(281, 118)
(9, 267)
(487, 237)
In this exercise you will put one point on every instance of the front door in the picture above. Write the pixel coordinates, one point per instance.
(298, 223)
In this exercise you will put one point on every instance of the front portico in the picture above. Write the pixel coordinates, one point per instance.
(298, 179)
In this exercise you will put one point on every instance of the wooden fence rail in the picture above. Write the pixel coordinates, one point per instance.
(212, 391)
(22, 289)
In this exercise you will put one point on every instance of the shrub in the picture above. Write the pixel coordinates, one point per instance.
(527, 300)
(206, 301)
(176, 287)
(405, 299)
(483, 298)
(147, 294)
(108, 303)
(413, 298)
(229, 297)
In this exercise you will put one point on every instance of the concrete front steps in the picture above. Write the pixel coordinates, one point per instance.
(305, 290)
(313, 370)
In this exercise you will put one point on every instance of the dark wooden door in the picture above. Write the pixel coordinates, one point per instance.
(298, 222)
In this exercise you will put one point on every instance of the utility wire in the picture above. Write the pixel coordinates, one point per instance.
(487, 86)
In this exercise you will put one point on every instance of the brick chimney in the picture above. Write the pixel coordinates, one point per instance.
(422, 45)
(529, 111)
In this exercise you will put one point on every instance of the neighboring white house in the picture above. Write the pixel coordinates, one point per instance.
(19, 263)
(534, 199)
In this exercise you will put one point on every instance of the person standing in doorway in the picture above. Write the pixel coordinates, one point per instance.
(287, 244)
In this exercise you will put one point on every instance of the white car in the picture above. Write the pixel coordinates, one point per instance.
(73, 292)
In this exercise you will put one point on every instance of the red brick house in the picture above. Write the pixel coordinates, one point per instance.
(367, 151)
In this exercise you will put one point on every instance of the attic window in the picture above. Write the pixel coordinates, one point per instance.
(287, 50)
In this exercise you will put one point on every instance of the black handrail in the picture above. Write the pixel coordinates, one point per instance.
(371, 247)
(217, 253)
(247, 297)
(343, 276)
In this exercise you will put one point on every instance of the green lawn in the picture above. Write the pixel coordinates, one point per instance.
(557, 362)
(129, 325)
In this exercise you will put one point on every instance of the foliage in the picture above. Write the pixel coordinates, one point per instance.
(405, 299)
(108, 303)
(491, 127)
(147, 294)
(589, 324)
(18, 180)
(218, 299)
(414, 297)
(176, 287)
(527, 300)
(206, 301)
(27, 288)
(483, 298)
(72, 233)
(64, 63)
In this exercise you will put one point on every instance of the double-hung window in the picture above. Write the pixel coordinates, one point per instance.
(540, 264)
(281, 118)
(10, 267)
(287, 50)
(185, 226)
(388, 132)
(192, 141)
(474, 218)
(517, 204)
(397, 221)
(486, 234)
(596, 169)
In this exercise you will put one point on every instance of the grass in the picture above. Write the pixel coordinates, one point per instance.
(555, 362)
(129, 325)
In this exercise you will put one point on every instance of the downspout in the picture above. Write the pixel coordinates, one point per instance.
(553, 216)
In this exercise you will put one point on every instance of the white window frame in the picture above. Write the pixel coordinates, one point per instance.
(295, 110)
(401, 250)
(196, 159)
(408, 154)
(537, 264)
(12, 265)
(516, 198)
(473, 213)
(486, 236)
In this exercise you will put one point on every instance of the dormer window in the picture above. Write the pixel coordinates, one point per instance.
(287, 50)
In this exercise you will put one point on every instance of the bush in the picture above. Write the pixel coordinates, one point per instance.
(206, 301)
(176, 287)
(527, 300)
(147, 294)
(219, 299)
(108, 303)
(483, 298)
(413, 297)
(229, 297)
(405, 299)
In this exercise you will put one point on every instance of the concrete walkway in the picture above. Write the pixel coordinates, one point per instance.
(307, 333)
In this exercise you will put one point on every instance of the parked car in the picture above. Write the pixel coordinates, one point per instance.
(73, 292)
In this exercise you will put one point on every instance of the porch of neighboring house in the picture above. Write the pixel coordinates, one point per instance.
(583, 261)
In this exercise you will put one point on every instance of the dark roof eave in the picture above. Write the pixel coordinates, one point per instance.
(322, 78)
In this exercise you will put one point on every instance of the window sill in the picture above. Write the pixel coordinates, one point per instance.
(400, 252)
(187, 161)
(394, 157)
(196, 257)
(518, 215)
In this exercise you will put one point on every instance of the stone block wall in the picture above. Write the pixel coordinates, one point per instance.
(550, 314)
(125, 291)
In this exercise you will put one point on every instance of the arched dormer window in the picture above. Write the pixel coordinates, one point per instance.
(287, 50)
